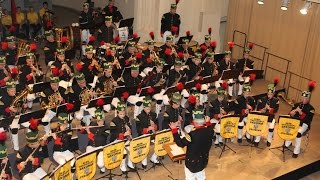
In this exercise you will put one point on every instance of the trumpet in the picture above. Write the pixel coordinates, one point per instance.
(116, 62)
(297, 109)
(155, 57)
(66, 67)
(173, 50)
(215, 69)
(85, 127)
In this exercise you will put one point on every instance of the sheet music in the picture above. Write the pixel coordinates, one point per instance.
(176, 150)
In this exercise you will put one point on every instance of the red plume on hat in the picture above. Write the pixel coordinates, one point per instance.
(108, 52)
(134, 35)
(138, 55)
(203, 47)
(92, 38)
(4, 45)
(209, 30)
(55, 71)
(276, 81)
(49, 24)
(180, 54)
(3, 136)
(192, 99)
(213, 44)
(174, 29)
(125, 95)
(198, 86)
(33, 124)
(230, 45)
(311, 85)
(102, 43)
(100, 102)
(180, 86)
(14, 70)
(224, 85)
(69, 106)
(250, 45)
(116, 39)
(151, 34)
(64, 39)
(188, 33)
(177, 1)
(79, 67)
(252, 77)
(150, 90)
(168, 51)
(12, 29)
(33, 47)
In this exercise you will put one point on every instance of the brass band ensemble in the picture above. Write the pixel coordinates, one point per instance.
(168, 85)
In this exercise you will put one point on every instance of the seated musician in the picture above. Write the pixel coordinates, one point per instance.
(244, 64)
(105, 33)
(207, 44)
(129, 56)
(198, 142)
(62, 67)
(4, 72)
(305, 112)
(111, 10)
(62, 138)
(50, 48)
(132, 80)
(219, 107)
(51, 98)
(112, 56)
(81, 96)
(88, 65)
(168, 51)
(11, 52)
(30, 158)
(86, 24)
(174, 112)
(269, 105)
(5, 167)
(186, 50)
(209, 66)
(149, 57)
(120, 129)
(98, 137)
(147, 123)
(242, 106)
(193, 103)
(225, 64)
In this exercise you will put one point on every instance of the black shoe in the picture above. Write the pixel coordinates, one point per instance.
(239, 141)
(248, 139)
(101, 172)
(294, 155)
(131, 169)
(229, 97)
(144, 166)
(221, 143)
(256, 144)
(268, 144)
(124, 172)
(158, 163)
(216, 145)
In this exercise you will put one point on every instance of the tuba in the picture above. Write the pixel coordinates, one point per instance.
(85, 96)
(23, 48)
(19, 100)
(53, 101)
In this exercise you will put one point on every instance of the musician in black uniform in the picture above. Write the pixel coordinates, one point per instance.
(168, 51)
(98, 137)
(305, 112)
(147, 123)
(207, 44)
(149, 57)
(129, 56)
(169, 20)
(28, 72)
(198, 142)
(62, 67)
(120, 129)
(195, 68)
(242, 106)
(241, 65)
(4, 71)
(62, 138)
(105, 33)
(186, 50)
(86, 23)
(88, 65)
(30, 158)
(269, 105)
(11, 52)
(193, 103)
(218, 108)
(209, 67)
(176, 74)
(5, 167)
(174, 112)
(50, 47)
(51, 98)
(111, 10)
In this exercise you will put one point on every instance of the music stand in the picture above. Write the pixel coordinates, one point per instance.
(177, 158)
(286, 125)
(228, 130)
(229, 74)
(35, 115)
(106, 100)
(40, 86)
(210, 79)
(184, 37)
(91, 153)
(58, 168)
(219, 57)
(170, 90)
(246, 73)
(121, 89)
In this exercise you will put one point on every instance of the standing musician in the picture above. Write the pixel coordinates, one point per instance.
(4, 71)
(186, 50)
(198, 142)
(30, 158)
(169, 20)
(242, 106)
(11, 52)
(62, 138)
(105, 33)
(51, 98)
(219, 108)
(120, 129)
(88, 65)
(111, 10)
(269, 105)
(206, 45)
(98, 137)
(82, 94)
(168, 51)
(305, 112)
(244, 64)
(86, 23)
(147, 123)
(5, 167)
(50, 48)
(174, 112)
(62, 67)
(129, 56)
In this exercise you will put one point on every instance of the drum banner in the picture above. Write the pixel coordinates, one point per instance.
(139, 148)
(256, 124)
(86, 166)
(288, 128)
(113, 155)
(161, 138)
(229, 126)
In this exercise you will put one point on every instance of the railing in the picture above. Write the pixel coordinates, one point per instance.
(292, 87)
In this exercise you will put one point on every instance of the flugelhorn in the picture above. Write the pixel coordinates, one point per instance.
(59, 35)
(23, 48)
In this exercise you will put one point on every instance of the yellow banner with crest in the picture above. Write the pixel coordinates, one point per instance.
(257, 123)
(86, 166)
(139, 148)
(229, 126)
(113, 154)
(288, 127)
(161, 138)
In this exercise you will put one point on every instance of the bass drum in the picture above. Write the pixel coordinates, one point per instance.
(74, 36)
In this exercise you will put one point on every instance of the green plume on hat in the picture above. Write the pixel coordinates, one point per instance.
(173, 6)
(271, 88)
(113, 47)
(3, 151)
(220, 91)
(62, 118)
(121, 106)
(107, 65)
(210, 55)
(10, 84)
(30, 56)
(176, 97)
(11, 39)
(48, 33)
(32, 136)
(60, 51)
(147, 102)
(99, 114)
(169, 38)
(178, 62)
(198, 55)
(131, 44)
(79, 76)
(160, 63)
(108, 18)
(54, 79)
(2, 59)
(198, 114)
(207, 37)
(89, 48)
(246, 88)
(134, 67)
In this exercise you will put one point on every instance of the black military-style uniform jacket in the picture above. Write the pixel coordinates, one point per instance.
(215, 108)
(169, 59)
(7, 170)
(50, 96)
(62, 143)
(146, 60)
(25, 70)
(98, 136)
(240, 105)
(118, 128)
(88, 70)
(241, 62)
(273, 103)
(105, 34)
(128, 81)
(114, 12)
(171, 115)
(50, 53)
(11, 56)
(208, 69)
(77, 93)
(198, 143)
(155, 77)
(5, 102)
(63, 75)
(222, 65)
(86, 20)
(124, 61)
(173, 76)
(24, 153)
(307, 113)
(143, 122)
(101, 83)
(193, 70)
(168, 20)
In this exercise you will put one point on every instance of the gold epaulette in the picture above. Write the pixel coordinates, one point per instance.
(312, 111)
(42, 94)
(112, 124)
(165, 114)
(18, 156)
(236, 102)
(187, 136)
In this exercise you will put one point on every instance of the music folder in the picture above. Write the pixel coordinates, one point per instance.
(229, 74)
(184, 37)
(22, 60)
(63, 108)
(247, 73)
(32, 115)
(6, 122)
(175, 152)
(106, 100)
(219, 57)
(171, 90)
(166, 68)
(121, 89)
(40, 86)
(156, 90)
(210, 79)
(126, 22)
